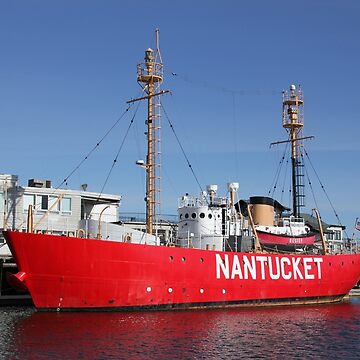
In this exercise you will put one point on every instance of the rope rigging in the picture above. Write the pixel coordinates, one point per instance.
(181, 147)
(310, 184)
(118, 152)
(326, 194)
(277, 176)
(284, 182)
(278, 172)
(220, 88)
(94, 148)
(97, 145)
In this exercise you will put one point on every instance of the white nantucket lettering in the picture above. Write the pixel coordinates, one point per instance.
(224, 266)
(249, 267)
(288, 275)
(262, 260)
(236, 269)
(297, 272)
(273, 276)
(318, 261)
(307, 268)
(265, 267)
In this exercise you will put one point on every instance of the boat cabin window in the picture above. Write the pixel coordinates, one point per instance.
(202, 215)
(193, 215)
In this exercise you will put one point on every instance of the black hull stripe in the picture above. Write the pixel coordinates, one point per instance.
(210, 305)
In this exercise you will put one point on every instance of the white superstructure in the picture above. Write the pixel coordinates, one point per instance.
(209, 221)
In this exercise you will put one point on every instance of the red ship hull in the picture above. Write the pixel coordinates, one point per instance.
(275, 239)
(85, 274)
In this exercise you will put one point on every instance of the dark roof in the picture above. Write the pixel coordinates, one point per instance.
(242, 204)
(312, 222)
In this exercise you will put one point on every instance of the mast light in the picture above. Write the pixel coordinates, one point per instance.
(149, 55)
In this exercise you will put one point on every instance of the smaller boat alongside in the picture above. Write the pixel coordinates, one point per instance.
(277, 231)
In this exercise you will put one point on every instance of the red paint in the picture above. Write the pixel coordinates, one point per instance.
(73, 273)
(17, 281)
(275, 239)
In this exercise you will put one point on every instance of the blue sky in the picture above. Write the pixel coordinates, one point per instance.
(67, 69)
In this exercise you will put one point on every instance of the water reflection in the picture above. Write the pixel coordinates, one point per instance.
(292, 332)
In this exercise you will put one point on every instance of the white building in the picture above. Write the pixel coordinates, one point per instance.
(334, 236)
(57, 211)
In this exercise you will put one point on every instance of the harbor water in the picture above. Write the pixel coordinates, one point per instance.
(317, 332)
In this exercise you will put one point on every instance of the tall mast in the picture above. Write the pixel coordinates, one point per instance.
(150, 74)
(293, 122)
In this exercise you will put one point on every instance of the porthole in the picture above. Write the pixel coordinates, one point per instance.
(223, 291)
(171, 258)
(193, 215)
(219, 216)
(202, 215)
(186, 216)
(170, 290)
(201, 291)
(148, 289)
(183, 258)
(201, 260)
(180, 216)
(210, 216)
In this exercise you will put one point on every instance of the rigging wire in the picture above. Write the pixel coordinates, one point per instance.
(188, 162)
(310, 183)
(181, 147)
(284, 182)
(326, 194)
(220, 88)
(94, 148)
(118, 153)
(86, 157)
(278, 172)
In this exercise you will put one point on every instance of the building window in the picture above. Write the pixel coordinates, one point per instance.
(66, 205)
(54, 203)
(42, 202)
(28, 200)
